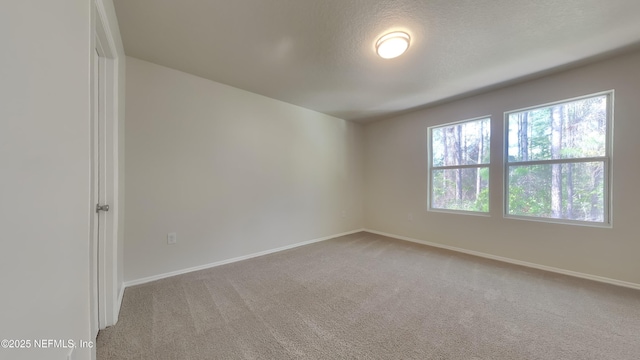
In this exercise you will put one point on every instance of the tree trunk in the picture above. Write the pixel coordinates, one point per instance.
(445, 175)
(570, 119)
(523, 136)
(570, 214)
(459, 162)
(556, 169)
(480, 151)
(596, 179)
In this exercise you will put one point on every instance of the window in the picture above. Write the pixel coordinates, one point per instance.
(459, 166)
(558, 161)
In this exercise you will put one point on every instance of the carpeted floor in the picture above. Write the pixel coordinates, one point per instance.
(365, 296)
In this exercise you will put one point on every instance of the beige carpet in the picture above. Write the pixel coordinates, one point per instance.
(365, 296)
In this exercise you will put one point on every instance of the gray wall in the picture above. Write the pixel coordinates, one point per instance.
(234, 173)
(396, 178)
(231, 172)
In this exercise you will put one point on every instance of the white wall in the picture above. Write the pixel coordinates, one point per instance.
(232, 172)
(44, 173)
(396, 178)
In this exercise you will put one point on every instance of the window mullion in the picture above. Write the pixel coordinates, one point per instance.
(454, 167)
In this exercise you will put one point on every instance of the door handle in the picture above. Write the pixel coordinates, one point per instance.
(102, 208)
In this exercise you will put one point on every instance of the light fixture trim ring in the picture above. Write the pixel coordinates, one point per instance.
(393, 44)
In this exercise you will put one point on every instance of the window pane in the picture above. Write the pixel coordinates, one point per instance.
(572, 191)
(576, 129)
(461, 189)
(461, 144)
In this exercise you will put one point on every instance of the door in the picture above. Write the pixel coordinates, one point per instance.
(99, 193)
(97, 185)
(105, 237)
(106, 289)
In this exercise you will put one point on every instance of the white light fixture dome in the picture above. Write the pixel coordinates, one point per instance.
(393, 44)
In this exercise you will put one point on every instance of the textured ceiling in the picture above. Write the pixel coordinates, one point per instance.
(319, 54)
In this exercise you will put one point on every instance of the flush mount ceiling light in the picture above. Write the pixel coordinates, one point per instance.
(393, 44)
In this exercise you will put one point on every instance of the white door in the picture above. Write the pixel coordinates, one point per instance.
(99, 194)
(96, 165)
(106, 292)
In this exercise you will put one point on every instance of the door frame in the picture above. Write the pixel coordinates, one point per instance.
(104, 258)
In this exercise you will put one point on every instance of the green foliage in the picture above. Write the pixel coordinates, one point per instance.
(482, 201)
(445, 189)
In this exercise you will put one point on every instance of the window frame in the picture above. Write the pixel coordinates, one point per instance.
(607, 161)
(431, 168)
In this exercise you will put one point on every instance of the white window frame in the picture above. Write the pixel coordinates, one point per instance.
(431, 168)
(606, 159)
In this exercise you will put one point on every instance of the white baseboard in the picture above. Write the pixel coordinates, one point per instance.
(513, 261)
(228, 261)
(116, 313)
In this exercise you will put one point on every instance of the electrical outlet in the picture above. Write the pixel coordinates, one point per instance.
(410, 216)
(172, 238)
